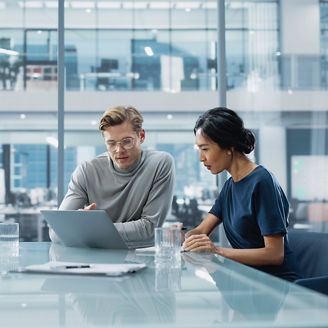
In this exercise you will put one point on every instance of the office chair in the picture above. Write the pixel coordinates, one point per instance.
(310, 250)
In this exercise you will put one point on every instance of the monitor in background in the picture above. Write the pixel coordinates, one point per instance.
(309, 177)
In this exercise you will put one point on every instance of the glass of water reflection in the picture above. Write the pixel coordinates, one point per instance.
(9, 239)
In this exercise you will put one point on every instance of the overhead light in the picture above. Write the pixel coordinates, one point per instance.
(238, 5)
(51, 4)
(94, 122)
(135, 5)
(9, 52)
(210, 5)
(278, 53)
(82, 4)
(30, 4)
(2, 5)
(52, 141)
(169, 116)
(54, 4)
(160, 5)
(108, 5)
(22, 116)
(187, 5)
(149, 51)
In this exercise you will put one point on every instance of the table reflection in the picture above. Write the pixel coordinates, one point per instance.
(249, 301)
(167, 278)
(130, 299)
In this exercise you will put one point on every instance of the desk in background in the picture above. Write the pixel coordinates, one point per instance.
(207, 291)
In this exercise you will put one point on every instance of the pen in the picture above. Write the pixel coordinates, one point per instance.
(77, 266)
(64, 267)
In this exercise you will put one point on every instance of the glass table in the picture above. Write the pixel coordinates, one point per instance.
(205, 291)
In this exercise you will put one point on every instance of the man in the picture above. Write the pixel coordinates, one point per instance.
(132, 185)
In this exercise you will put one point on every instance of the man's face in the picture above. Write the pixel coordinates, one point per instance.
(123, 144)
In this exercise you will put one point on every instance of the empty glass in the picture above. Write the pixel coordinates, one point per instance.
(9, 239)
(168, 246)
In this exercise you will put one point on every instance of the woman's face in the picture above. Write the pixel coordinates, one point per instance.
(212, 155)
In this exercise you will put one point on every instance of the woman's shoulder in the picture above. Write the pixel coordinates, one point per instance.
(266, 178)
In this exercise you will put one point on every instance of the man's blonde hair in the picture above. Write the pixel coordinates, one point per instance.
(120, 114)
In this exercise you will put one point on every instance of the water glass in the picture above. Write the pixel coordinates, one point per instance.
(9, 239)
(168, 246)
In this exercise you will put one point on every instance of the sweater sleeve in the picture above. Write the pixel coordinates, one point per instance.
(76, 196)
(140, 232)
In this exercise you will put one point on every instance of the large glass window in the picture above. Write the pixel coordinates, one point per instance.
(28, 114)
(161, 56)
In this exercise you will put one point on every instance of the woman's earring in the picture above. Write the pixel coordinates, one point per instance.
(229, 153)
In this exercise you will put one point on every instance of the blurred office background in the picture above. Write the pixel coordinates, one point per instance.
(161, 56)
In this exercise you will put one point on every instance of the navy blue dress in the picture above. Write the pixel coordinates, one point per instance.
(254, 207)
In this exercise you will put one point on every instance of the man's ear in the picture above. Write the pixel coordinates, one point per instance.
(142, 135)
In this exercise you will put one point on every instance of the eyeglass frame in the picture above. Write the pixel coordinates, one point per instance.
(115, 144)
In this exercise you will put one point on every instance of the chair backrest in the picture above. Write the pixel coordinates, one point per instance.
(310, 249)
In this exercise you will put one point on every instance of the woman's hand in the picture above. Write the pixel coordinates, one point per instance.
(197, 243)
(200, 260)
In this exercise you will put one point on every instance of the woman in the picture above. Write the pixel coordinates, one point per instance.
(251, 205)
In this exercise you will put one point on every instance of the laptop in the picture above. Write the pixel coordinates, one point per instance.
(84, 228)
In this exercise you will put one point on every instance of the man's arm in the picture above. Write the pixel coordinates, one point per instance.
(76, 196)
(141, 231)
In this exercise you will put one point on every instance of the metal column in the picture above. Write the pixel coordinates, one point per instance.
(222, 92)
(61, 90)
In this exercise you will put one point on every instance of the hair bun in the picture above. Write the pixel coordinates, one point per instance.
(247, 140)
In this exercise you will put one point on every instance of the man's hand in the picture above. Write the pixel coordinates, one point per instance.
(88, 208)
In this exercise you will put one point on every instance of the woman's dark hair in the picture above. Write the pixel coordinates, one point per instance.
(226, 128)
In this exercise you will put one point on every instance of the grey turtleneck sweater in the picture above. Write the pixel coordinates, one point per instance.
(137, 199)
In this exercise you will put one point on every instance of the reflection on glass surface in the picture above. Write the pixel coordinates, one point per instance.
(122, 300)
(248, 301)
(133, 301)
(167, 277)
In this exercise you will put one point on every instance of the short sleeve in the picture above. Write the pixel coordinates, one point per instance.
(271, 207)
(217, 207)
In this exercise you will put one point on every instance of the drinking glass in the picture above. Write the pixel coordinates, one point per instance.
(168, 246)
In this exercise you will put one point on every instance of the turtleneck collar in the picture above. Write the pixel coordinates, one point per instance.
(127, 171)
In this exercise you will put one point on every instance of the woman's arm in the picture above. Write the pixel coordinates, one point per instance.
(205, 227)
(271, 254)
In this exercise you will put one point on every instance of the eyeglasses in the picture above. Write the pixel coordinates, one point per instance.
(126, 143)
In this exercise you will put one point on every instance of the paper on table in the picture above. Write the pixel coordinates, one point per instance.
(83, 268)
